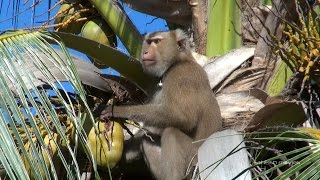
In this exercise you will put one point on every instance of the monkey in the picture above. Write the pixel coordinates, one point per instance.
(184, 109)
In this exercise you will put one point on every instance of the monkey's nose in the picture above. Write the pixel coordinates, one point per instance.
(145, 52)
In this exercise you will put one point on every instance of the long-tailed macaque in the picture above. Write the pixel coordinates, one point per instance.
(184, 109)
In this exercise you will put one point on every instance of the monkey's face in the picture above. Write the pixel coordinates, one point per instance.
(158, 52)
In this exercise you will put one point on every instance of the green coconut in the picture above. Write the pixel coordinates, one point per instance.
(98, 30)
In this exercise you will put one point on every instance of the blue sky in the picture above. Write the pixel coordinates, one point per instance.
(144, 23)
(25, 16)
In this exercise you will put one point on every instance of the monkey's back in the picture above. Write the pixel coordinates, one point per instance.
(190, 95)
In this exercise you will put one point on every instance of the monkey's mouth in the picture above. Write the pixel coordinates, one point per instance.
(148, 62)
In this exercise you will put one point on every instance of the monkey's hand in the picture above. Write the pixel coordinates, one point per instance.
(107, 113)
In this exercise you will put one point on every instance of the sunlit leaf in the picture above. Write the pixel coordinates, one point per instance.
(29, 121)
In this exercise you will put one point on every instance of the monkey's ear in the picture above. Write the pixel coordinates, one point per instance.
(182, 39)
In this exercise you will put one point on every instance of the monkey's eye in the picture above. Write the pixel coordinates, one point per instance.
(149, 41)
(156, 41)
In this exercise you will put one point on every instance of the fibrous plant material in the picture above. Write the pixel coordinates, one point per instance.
(299, 49)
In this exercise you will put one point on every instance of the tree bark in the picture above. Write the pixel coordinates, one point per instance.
(199, 23)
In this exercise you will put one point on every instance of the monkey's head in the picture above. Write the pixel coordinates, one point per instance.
(160, 50)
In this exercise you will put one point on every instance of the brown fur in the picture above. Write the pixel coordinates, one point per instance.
(185, 108)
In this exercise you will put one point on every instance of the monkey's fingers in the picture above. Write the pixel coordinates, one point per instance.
(107, 113)
(106, 116)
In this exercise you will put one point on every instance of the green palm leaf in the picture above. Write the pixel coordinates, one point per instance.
(300, 163)
(28, 116)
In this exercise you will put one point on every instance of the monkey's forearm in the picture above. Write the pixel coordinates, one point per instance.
(149, 113)
(136, 111)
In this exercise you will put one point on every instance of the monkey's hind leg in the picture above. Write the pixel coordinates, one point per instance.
(152, 154)
(176, 153)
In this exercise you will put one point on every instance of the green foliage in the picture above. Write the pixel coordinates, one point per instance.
(29, 121)
(126, 65)
(224, 26)
(285, 153)
(267, 2)
(279, 79)
(120, 24)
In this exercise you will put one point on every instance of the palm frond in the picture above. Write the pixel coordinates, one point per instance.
(35, 130)
(285, 153)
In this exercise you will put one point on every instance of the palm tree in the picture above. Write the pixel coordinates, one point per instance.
(47, 124)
